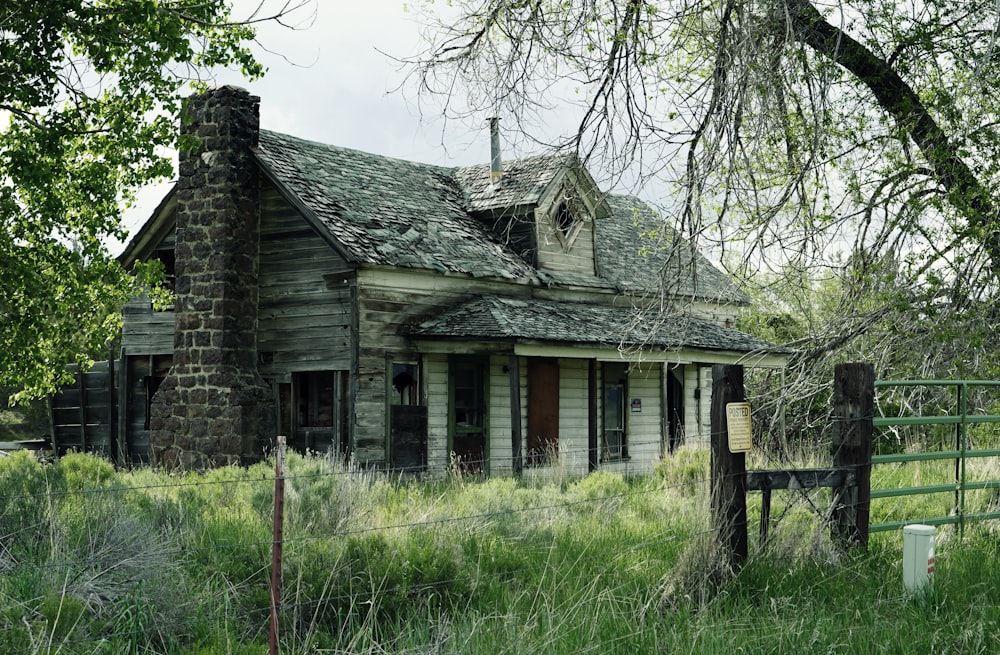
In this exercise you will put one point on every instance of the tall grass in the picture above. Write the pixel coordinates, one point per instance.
(98, 561)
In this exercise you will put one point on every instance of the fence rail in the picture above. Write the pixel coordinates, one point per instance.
(961, 419)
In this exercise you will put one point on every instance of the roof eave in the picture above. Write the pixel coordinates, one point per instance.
(305, 210)
(151, 232)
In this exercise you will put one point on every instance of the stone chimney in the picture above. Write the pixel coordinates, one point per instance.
(214, 408)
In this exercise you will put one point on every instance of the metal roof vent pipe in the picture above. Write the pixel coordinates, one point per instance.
(496, 161)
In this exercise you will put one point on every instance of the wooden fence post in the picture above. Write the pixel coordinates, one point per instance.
(853, 412)
(729, 495)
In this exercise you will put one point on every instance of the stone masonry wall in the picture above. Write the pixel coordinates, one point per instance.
(214, 408)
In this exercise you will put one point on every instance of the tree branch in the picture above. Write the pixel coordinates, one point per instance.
(900, 101)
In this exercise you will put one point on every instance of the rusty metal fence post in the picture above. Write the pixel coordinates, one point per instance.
(279, 518)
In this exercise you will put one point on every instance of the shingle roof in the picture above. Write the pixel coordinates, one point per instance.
(523, 182)
(388, 211)
(515, 319)
(637, 251)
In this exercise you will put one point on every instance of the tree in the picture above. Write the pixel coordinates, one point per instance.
(859, 138)
(89, 101)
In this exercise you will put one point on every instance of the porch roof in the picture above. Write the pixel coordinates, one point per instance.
(517, 319)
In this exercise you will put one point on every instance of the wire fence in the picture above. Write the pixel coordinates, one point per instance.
(357, 542)
(330, 504)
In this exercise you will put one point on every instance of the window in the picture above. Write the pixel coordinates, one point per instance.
(564, 219)
(316, 399)
(404, 384)
(467, 410)
(407, 418)
(615, 376)
(567, 218)
(313, 410)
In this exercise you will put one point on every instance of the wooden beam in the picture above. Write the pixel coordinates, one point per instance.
(514, 372)
(853, 407)
(729, 502)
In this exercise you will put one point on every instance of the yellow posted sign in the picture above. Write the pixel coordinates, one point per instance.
(738, 420)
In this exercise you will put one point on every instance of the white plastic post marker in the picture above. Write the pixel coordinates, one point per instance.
(918, 557)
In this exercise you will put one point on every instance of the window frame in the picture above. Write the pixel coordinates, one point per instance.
(610, 370)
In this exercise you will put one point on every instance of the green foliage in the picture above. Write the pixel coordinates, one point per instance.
(25, 504)
(62, 616)
(143, 561)
(686, 471)
(91, 98)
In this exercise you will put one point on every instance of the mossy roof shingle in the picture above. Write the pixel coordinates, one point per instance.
(388, 211)
(517, 319)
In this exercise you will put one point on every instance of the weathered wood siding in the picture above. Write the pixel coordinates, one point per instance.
(305, 316)
(84, 414)
(553, 253)
(145, 331)
(386, 301)
(435, 371)
(645, 432)
(573, 425)
(697, 405)
(573, 253)
(643, 428)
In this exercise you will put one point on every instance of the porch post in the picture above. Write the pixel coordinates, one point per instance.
(592, 460)
(514, 372)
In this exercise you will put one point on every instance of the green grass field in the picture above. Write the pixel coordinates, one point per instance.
(98, 561)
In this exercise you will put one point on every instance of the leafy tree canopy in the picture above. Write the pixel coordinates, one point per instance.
(89, 100)
(859, 137)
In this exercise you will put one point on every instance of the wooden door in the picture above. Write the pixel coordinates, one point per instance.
(543, 410)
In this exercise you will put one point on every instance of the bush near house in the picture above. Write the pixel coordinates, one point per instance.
(94, 560)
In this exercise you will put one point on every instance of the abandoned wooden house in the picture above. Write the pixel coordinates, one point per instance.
(413, 316)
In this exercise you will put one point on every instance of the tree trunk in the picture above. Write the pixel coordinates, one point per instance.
(965, 192)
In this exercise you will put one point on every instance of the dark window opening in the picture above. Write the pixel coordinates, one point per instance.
(407, 418)
(316, 399)
(467, 405)
(313, 411)
(405, 390)
(565, 220)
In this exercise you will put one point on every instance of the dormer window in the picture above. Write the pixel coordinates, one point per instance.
(567, 218)
(564, 219)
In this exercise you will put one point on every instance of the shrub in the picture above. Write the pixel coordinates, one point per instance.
(685, 471)
(25, 505)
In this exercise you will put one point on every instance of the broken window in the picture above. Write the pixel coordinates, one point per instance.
(404, 384)
(407, 418)
(567, 218)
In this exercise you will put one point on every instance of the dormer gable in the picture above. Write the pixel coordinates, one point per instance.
(564, 223)
(543, 208)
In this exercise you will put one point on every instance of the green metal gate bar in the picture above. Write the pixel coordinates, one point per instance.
(961, 420)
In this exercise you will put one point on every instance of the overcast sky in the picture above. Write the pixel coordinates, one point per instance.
(329, 81)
